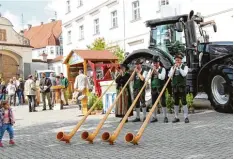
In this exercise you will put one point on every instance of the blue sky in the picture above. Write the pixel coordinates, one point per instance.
(34, 11)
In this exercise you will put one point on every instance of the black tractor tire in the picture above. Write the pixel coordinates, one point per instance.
(226, 72)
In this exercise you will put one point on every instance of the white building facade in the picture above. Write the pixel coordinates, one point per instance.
(119, 22)
(122, 22)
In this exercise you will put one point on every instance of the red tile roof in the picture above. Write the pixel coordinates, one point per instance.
(93, 55)
(45, 34)
(59, 58)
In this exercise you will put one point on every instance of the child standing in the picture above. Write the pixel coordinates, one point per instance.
(6, 122)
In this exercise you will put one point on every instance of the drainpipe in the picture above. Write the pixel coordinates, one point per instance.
(124, 26)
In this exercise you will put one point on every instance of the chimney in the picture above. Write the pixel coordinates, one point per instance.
(21, 32)
(52, 20)
(42, 23)
(29, 26)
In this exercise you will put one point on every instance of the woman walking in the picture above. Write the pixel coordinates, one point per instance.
(124, 101)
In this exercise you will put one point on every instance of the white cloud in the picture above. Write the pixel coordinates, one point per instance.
(56, 6)
(16, 20)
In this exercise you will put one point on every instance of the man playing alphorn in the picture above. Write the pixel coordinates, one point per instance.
(139, 79)
(179, 87)
(157, 83)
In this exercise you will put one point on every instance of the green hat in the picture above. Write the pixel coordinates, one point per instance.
(156, 58)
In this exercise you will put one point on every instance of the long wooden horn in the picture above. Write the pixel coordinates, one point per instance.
(67, 137)
(90, 137)
(130, 137)
(106, 136)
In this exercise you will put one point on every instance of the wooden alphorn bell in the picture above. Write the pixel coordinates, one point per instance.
(90, 137)
(61, 136)
(106, 136)
(130, 137)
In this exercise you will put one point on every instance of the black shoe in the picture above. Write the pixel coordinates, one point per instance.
(186, 120)
(51, 108)
(176, 120)
(136, 120)
(43, 109)
(35, 111)
(154, 120)
(165, 120)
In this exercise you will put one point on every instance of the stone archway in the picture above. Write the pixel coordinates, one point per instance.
(8, 67)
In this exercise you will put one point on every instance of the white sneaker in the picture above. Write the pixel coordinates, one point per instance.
(82, 97)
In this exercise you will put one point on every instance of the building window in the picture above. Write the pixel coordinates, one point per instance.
(69, 37)
(57, 50)
(114, 19)
(80, 3)
(96, 26)
(51, 50)
(68, 6)
(61, 50)
(3, 35)
(135, 10)
(81, 32)
(164, 2)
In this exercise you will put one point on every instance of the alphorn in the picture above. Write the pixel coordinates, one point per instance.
(106, 136)
(61, 136)
(90, 137)
(129, 137)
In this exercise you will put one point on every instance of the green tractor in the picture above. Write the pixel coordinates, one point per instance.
(210, 63)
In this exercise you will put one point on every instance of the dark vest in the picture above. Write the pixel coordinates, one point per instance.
(138, 83)
(156, 83)
(178, 80)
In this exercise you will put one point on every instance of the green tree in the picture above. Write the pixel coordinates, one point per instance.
(119, 53)
(98, 44)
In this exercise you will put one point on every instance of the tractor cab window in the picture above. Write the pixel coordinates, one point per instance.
(166, 38)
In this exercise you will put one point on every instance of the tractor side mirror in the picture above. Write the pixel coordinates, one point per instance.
(179, 27)
(215, 28)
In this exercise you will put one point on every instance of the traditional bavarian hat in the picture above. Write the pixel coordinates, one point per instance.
(179, 55)
(156, 58)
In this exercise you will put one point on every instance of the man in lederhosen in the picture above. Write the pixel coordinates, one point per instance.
(179, 87)
(157, 83)
(139, 79)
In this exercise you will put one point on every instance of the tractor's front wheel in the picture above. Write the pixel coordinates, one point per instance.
(220, 89)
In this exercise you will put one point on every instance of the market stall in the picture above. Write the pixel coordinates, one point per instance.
(96, 65)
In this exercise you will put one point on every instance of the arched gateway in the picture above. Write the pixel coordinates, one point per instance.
(9, 66)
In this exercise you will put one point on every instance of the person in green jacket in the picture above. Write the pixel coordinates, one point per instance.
(65, 83)
(139, 80)
(179, 87)
(157, 83)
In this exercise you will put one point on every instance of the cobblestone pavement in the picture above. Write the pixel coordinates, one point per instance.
(208, 135)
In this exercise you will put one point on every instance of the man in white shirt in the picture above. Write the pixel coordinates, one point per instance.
(16, 83)
(157, 83)
(179, 87)
(81, 83)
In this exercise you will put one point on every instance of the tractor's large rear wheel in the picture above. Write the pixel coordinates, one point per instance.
(220, 89)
